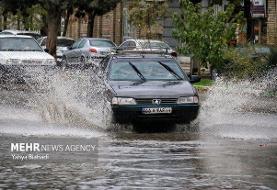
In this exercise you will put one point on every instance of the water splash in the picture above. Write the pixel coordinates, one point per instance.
(241, 109)
(71, 96)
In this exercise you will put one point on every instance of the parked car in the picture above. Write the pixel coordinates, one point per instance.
(63, 45)
(35, 35)
(148, 87)
(147, 45)
(19, 53)
(88, 48)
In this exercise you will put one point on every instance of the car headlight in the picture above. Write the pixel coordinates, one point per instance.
(123, 101)
(50, 62)
(188, 100)
(13, 61)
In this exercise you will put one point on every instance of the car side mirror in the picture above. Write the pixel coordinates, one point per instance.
(70, 48)
(194, 78)
(46, 50)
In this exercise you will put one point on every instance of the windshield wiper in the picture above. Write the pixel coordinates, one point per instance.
(170, 70)
(137, 71)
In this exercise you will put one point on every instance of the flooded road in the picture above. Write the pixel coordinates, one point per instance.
(232, 144)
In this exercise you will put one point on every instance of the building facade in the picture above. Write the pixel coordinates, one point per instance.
(272, 22)
(261, 25)
(107, 26)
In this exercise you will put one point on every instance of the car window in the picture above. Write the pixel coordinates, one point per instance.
(82, 44)
(150, 69)
(65, 42)
(19, 44)
(60, 42)
(128, 45)
(155, 45)
(75, 45)
(131, 45)
(124, 45)
(101, 43)
(42, 42)
(6, 33)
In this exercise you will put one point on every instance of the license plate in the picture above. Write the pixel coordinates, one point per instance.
(156, 110)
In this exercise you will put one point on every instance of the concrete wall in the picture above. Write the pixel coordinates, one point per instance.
(272, 22)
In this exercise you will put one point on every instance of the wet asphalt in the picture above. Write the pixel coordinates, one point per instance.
(222, 149)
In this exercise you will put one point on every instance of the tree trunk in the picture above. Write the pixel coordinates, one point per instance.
(18, 21)
(68, 13)
(249, 22)
(44, 27)
(79, 26)
(90, 27)
(54, 20)
(5, 18)
(25, 20)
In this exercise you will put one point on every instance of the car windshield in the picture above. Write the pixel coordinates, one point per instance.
(133, 70)
(155, 45)
(19, 44)
(60, 42)
(101, 43)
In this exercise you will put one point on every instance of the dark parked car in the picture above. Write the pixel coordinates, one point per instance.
(63, 45)
(149, 87)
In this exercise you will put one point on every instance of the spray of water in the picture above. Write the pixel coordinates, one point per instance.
(241, 109)
(71, 97)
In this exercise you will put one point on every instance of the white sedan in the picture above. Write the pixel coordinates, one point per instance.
(17, 52)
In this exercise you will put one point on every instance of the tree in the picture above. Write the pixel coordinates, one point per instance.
(54, 9)
(21, 9)
(145, 13)
(204, 34)
(93, 8)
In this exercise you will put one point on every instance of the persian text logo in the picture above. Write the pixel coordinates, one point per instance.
(25, 147)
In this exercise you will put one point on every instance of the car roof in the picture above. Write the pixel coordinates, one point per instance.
(145, 40)
(13, 36)
(132, 55)
(20, 31)
(59, 37)
(88, 38)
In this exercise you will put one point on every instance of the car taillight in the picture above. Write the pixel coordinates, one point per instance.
(174, 54)
(92, 50)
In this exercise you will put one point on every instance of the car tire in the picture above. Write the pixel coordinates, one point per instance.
(63, 62)
(83, 60)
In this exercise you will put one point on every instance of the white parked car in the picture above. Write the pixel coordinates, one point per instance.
(142, 45)
(19, 53)
(33, 34)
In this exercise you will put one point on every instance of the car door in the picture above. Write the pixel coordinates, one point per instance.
(71, 54)
(82, 52)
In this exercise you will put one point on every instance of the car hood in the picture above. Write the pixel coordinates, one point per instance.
(26, 58)
(59, 51)
(25, 55)
(150, 89)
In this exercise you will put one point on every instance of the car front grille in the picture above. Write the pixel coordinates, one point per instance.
(162, 100)
(32, 61)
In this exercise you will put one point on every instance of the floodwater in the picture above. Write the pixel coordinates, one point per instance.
(232, 144)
